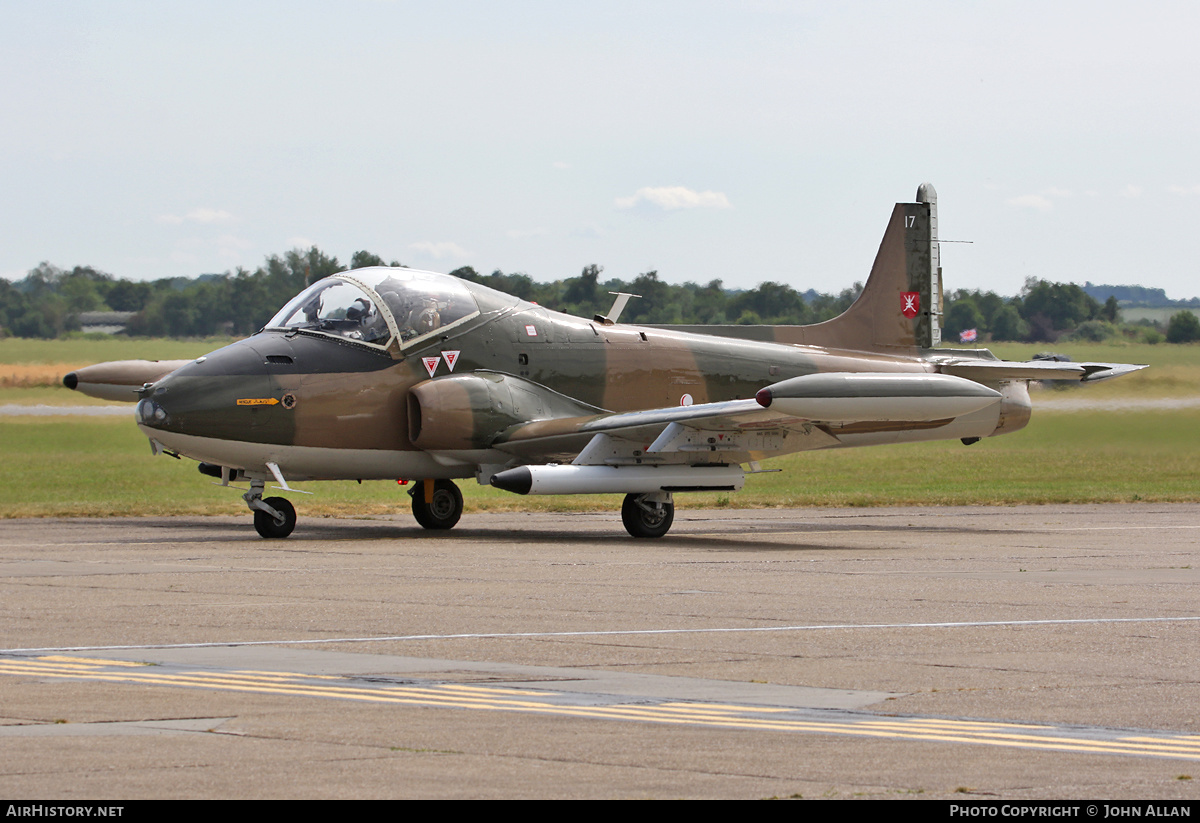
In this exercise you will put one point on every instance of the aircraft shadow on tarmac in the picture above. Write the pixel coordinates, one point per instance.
(339, 530)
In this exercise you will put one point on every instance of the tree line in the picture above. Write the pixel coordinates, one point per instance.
(48, 302)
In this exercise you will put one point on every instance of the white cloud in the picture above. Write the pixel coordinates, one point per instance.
(300, 242)
(521, 234)
(1031, 201)
(203, 215)
(1131, 191)
(559, 164)
(232, 247)
(1184, 190)
(670, 198)
(439, 250)
(197, 215)
(1046, 198)
(590, 231)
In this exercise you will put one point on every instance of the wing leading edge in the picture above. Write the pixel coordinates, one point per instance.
(792, 415)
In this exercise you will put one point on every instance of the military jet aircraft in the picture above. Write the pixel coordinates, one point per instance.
(393, 373)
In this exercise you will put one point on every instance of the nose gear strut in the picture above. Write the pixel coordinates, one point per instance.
(274, 517)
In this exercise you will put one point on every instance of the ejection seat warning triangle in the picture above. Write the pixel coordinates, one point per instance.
(451, 357)
(431, 364)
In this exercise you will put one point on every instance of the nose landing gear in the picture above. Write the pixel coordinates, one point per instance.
(274, 517)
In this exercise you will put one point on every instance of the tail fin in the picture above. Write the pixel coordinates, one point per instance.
(900, 307)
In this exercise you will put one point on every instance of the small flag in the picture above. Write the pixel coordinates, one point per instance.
(967, 336)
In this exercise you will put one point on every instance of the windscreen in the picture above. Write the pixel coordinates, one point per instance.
(374, 305)
(336, 307)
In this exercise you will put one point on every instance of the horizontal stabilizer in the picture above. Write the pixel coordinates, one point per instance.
(990, 371)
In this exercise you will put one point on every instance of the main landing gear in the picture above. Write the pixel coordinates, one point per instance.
(274, 517)
(648, 515)
(437, 504)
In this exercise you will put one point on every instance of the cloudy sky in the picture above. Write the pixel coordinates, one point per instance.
(745, 141)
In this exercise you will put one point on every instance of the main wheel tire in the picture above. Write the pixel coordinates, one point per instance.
(270, 528)
(445, 508)
(645, 519)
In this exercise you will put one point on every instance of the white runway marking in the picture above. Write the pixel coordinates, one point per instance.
(42, 410)
(1072, 404)
(612, 633)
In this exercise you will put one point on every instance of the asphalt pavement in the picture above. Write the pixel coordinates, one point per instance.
(1006, 652)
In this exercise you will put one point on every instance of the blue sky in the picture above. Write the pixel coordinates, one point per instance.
(743, 141)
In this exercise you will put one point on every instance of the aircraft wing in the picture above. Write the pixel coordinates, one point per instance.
(792, 415)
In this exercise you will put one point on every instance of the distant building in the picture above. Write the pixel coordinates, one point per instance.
(105, 322)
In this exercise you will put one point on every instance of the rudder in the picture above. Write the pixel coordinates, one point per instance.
(900, 307)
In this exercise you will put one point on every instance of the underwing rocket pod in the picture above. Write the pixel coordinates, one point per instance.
(618, 479)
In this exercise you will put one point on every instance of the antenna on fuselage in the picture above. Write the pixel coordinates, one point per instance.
(618, 306)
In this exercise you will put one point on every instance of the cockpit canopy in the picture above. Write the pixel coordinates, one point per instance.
(379, 306)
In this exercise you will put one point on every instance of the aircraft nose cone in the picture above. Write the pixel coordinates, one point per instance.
(229, 394)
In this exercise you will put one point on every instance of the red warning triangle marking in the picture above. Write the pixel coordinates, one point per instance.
(451, 357)
(431, 364)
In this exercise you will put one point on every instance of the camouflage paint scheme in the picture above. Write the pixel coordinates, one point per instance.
(516, 384)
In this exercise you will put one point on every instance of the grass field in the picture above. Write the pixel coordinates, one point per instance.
(86, 350)
(1158, 315)
(102, 466)
(33, 363)
(1174, 369)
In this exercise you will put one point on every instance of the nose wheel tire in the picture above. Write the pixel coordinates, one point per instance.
(643, 518)
(443, 511)
(270, 527)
